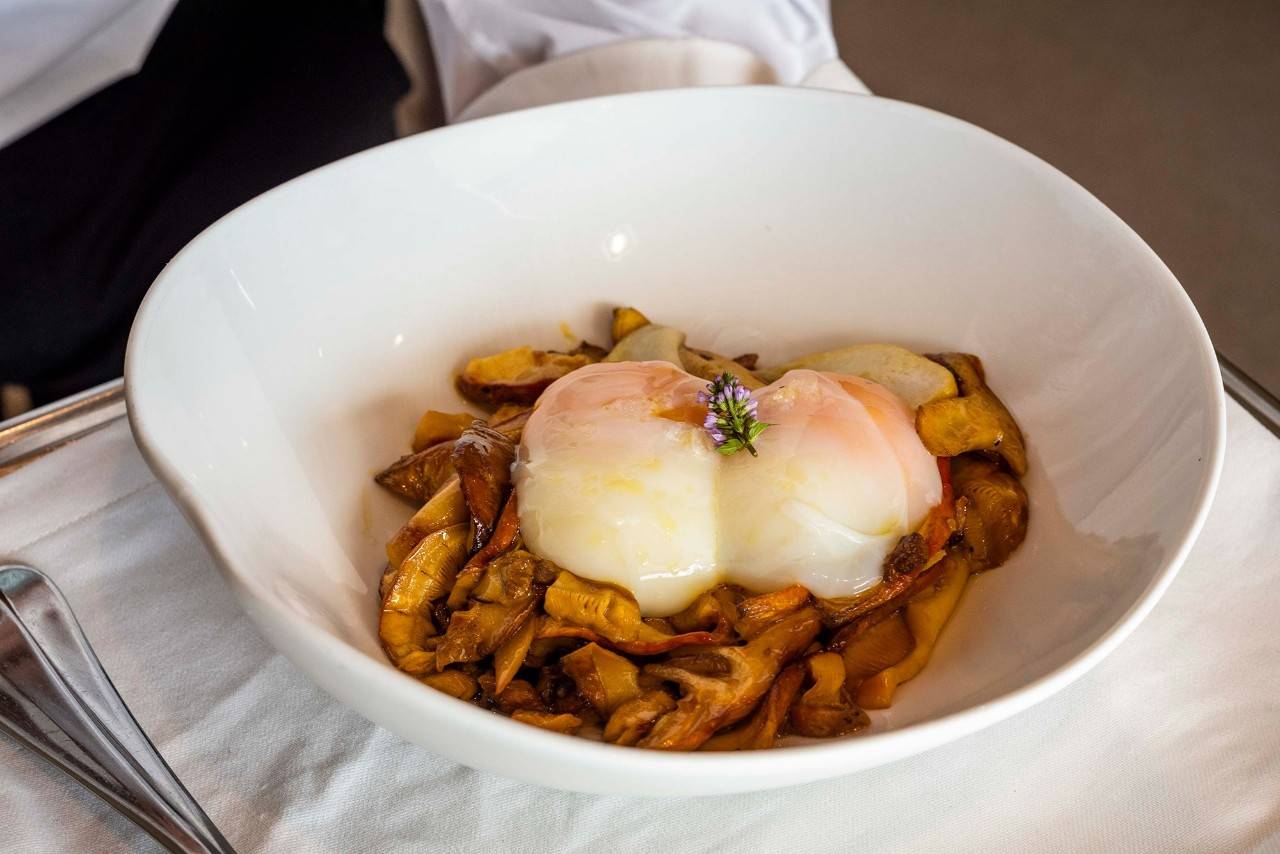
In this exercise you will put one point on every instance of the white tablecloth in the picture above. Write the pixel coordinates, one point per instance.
(1171, 744)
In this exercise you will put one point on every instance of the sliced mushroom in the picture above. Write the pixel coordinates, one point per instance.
(625, 321)
(405, 625)
(757, 613)
(504, 599)
(975, 421)
(710, 366)
(721, 685)
(435, 427)
(634, 719)
(761, 730)
(507, 415)
(482, 456)
(825, 710)
(445, 509)
(891, 592)
(418, 476)
(510, 657)
(515, 376)
(649, 343)
(925, 615)
(909, 375)
(605, 614)
(605, 678)
(881, 646)
(518, 694)
(455, 683)
(565, 723)
(995, 511)
(505, 534)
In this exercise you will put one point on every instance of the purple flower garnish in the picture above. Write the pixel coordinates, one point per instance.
(731, 415)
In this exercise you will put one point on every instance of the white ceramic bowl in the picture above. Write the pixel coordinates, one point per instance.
(284, 356)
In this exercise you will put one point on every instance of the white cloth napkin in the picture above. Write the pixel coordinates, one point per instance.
(528, 52)
(1171, 744)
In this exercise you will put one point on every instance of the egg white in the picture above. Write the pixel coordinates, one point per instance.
(618, 482)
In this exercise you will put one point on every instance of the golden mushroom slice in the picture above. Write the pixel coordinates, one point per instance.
(975, 421)
(925, 615)
(825, 710)
(516, 376)
(482, 456)
(605, 678)
(625, 321)
(722, 684)
(910, 376)
(710, 366)
(417, 476)
(435, 427)
(455, 683)
(880, 646)
(649, 343)
(995, 511)
(445, 509)
(605, 614)
(405, 625)
(504, 599)
(634, 719)
(762, 728)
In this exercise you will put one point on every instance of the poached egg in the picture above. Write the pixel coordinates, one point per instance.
(620, 483)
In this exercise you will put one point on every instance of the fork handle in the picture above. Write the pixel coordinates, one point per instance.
(56, 699)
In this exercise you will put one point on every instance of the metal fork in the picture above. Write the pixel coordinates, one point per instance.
(56, 699)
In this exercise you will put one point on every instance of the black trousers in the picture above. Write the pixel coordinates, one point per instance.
(235, 97)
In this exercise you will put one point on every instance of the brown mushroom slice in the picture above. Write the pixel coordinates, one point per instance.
(444, 510)
(505, 598)
(564, 723)
(910, 376)
(762, 728)
(634, 719)
(510, 657)
(505, 534)
(925, 615)
(825, 710)
(515, 376)
(713, 610)
(405, 624)
(435, 427)
(455, 683)
(649, 343)
(891, 592)
(721, 685)
(518, 694)
(995, 519)
(593, 352)
(881, 646)
(418, 476)
(605, 678)
(602, 613)
(505, 415)
(756, 613)
(710, 366)
(975, 421)
(625, 321)
(482, 456)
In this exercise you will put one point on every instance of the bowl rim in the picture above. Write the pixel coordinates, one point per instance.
(812, 759)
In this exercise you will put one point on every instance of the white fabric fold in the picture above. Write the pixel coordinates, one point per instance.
(480, 43)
